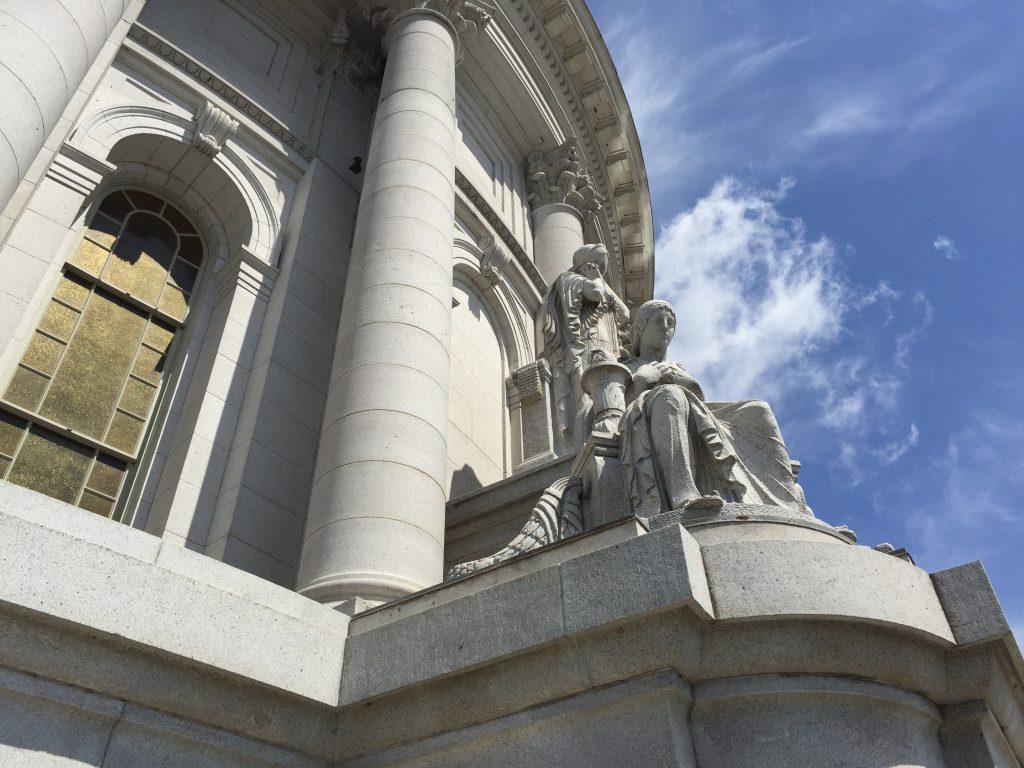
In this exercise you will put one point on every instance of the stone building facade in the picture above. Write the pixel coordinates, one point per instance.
(274, 283)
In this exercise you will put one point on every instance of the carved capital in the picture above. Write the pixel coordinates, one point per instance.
(213, 127)
(351, 49)
(467, 16)
(559, 176)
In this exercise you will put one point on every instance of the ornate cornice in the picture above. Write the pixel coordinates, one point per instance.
(502, 231)
(218, 85)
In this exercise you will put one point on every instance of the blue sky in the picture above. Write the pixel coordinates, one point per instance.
(838, 189)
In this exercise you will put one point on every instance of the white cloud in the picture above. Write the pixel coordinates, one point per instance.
(754, 293)
(946, 247)
(894, 451)
(765, 311)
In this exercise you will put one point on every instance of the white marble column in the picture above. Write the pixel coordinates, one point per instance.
(375, 528)
(557, 235)
(562, 195)
(46, 48)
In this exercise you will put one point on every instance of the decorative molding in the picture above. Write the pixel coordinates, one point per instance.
(217, 85)
(494, 259)
(213, 127)
(527, 384)
(559, 176)
(247, 271)
(77, 170)
(503, 232)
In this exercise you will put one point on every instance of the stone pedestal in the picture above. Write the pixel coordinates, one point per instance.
(557, 234)
(375, 528)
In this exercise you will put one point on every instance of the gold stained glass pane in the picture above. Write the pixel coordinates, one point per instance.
(73, 291)
(92, 502)
(174, 303)
(137, 397)
(90, 257)
(26, 388)
(51, 464)
(43, 353)
(142, 257)
(106, 475)
(158, 335)
(124, 432)
(88, 382)
(59, 321)
(11, 430)
(148, 365)
(183, 275)
(116, 206)
(102, 230)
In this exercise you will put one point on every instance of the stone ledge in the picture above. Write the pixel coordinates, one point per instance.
(98, 576)
(773, 580)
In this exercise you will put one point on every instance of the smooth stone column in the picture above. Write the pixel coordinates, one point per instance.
(375, 528)
(46, 48)
(557, 234)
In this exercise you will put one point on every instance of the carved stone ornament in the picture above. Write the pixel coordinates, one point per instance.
(493, 260)
(213, 127)
(559, 176)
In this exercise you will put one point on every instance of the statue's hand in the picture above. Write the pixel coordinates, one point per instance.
(648, 375)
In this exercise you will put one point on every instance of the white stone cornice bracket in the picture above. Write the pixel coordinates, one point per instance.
(213, 127)
(559, 176)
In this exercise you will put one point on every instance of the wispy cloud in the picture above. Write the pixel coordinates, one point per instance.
(766, 311)
(780, 91)
(946, 247)
(977, 492)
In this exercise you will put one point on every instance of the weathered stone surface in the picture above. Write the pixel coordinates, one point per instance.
(774, 580)
(778, 721)
(970, 604)
(137, 591)
(661, 570)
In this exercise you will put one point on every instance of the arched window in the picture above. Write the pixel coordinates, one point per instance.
(74, 414)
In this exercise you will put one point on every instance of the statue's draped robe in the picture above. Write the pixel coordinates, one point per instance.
(574, 328)
(735, 449)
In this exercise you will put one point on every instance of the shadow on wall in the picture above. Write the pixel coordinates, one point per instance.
(464, 481)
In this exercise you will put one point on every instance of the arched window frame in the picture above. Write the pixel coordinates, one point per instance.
(173, 354)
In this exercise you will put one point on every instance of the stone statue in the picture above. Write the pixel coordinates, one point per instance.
(582, 316)
(679, 451)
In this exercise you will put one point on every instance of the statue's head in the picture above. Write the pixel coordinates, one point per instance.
(651, 312)
(591, 261)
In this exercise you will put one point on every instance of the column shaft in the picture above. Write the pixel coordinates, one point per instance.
(375, 528)
(557, 234)
(46, 48)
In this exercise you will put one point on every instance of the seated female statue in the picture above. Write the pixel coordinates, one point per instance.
(681, 452)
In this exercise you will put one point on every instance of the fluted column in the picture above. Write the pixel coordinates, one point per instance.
(375, 528)
(46, 48)
(562, 195)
